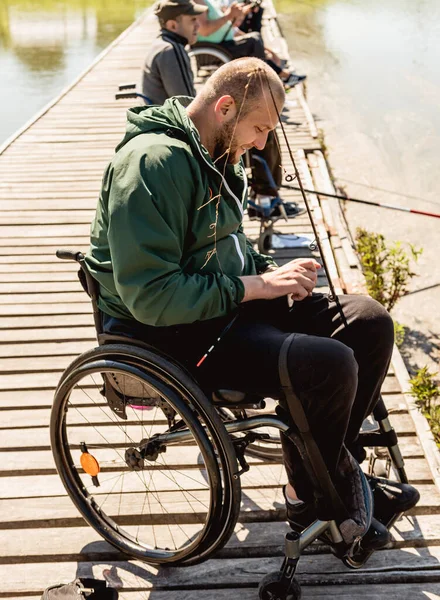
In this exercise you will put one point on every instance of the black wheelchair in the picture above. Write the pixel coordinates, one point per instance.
(154, 466)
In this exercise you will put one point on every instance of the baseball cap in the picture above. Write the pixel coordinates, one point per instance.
(170, 9)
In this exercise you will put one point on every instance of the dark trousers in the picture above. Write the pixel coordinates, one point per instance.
(260, 183)
(248, 44)
(253, 21)
(336, 371)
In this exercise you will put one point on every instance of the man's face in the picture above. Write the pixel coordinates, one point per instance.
(187, 26)
(251, 132)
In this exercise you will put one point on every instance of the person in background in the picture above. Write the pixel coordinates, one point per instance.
(254, 20)
(219, 26)
(167, 70)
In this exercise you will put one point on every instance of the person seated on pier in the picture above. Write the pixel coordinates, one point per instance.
(220, 26)
(174, 268)
(254, 19)
(167, 72)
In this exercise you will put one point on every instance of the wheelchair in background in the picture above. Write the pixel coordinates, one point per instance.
(205, 58)
(155, 466)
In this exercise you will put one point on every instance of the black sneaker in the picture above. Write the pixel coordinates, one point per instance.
(299, 516)
(391, 498)
(377, 537)
(292, 210)
(293, 80)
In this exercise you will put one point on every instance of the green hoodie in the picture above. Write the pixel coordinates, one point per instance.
(155, 251)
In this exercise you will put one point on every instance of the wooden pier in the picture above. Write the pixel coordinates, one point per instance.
(50, 177)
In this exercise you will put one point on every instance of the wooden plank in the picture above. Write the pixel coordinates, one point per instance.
(19, 438)
(56, 334)
(42, 231)
(401, 591)
(248, 540)
(74, 308)
(7, 269)
(40, 287)
(386, 566)
(49, 246)
(39, 462)
(45, 321)
(59, 218)
(59, 348)
(38, 364)
(36, 299)
(266, 478)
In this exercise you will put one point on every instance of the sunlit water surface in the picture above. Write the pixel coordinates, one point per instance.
(45, 44)
(374, 87)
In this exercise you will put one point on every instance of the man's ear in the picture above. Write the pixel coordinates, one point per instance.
(225, 109)
(171, 25)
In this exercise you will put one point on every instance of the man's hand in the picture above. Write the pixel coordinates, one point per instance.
(234, 12)
(297, 278)
(245, 9)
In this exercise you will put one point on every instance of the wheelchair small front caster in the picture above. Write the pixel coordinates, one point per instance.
(273, 587)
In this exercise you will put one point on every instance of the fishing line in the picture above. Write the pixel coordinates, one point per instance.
(332, 296)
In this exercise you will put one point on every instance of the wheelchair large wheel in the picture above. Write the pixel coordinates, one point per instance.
(205, 59)
(157, 498)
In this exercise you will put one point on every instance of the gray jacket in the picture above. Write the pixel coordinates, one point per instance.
(167, 69)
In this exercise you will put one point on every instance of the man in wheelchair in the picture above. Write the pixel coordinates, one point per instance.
(175, 270)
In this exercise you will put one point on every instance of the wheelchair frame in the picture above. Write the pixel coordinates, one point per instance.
(226, 455)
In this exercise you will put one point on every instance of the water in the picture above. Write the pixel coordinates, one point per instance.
(374, 87)
(383, 57)
(45, 44)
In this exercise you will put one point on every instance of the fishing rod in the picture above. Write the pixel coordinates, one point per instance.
(317, 242)
(368, 202)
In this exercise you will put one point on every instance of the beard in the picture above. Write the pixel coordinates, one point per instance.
(226, 146)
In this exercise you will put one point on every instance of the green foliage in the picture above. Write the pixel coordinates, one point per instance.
(433, 418)
(399, 333)
(387, 267)
(424, 389)
(426, 392)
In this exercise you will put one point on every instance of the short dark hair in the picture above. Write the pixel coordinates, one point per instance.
(243, 78)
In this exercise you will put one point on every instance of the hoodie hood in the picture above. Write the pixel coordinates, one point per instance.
(171, 118)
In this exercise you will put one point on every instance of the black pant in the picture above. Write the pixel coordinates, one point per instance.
(260, 183)
(248, 44)
(336, 371)
(253, 21)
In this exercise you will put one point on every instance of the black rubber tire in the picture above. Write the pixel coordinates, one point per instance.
(265, 240)
(206, 58)
(270, 588)
(180, 390)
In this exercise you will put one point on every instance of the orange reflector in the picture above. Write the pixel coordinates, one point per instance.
(89, 464)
